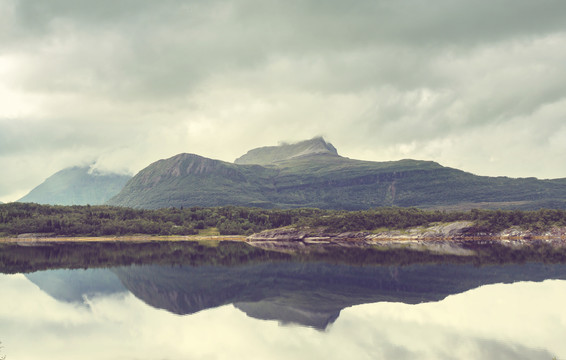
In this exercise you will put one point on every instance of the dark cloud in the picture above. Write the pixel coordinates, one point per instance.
(167, 48)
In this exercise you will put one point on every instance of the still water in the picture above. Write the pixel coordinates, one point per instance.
(286, 309)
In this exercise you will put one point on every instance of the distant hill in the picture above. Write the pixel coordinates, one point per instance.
(76, 186)
(312, 174)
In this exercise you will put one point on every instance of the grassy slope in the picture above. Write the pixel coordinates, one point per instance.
(330, 181)
(161, 185)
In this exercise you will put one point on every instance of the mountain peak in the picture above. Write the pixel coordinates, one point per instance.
(182, 165)
(272, 154)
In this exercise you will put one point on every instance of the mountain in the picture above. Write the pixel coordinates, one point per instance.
(192, 180)
(76, 186)
(312, 174)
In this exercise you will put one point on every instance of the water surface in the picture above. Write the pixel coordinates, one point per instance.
(268, 307)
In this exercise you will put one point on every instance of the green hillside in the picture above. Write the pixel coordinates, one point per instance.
(76, 186)
(312, 174)
(192, 180)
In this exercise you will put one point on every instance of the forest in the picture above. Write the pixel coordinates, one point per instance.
(24, 218)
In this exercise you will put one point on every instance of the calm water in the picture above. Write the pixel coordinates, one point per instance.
(286, 309)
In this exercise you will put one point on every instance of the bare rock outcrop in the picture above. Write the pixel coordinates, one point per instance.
(456, 238)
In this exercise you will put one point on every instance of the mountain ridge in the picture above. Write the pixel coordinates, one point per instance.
(312, 174)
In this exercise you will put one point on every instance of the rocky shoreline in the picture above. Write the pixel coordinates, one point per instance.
(457, 238)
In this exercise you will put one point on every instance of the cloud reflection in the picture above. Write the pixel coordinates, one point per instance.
(517, 321)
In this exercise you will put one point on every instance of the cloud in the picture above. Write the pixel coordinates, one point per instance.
(168, 48)
(131, 81)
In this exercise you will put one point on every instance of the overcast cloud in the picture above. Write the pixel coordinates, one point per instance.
(477, 85)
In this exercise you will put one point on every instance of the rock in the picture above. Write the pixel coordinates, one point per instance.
(272, 154)
(450, 238)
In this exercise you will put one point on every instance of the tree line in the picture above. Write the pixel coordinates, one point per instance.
(21, 218)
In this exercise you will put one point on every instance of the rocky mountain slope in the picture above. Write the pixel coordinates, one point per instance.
(76, 186)
(312, 174)
(273, 154)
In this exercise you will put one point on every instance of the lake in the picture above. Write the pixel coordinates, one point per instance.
(227, 301)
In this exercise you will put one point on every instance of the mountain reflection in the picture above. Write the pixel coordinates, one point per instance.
(308, 294)
(309, 289)
(312, 294)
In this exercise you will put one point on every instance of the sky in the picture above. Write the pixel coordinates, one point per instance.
(475, 85)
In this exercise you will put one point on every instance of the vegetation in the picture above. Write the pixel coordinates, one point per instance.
(490, 221)
(18, 218)
(21, 218)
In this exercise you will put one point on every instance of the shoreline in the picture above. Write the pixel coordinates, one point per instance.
(447, 238)
(397, 248)
(38, 239)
